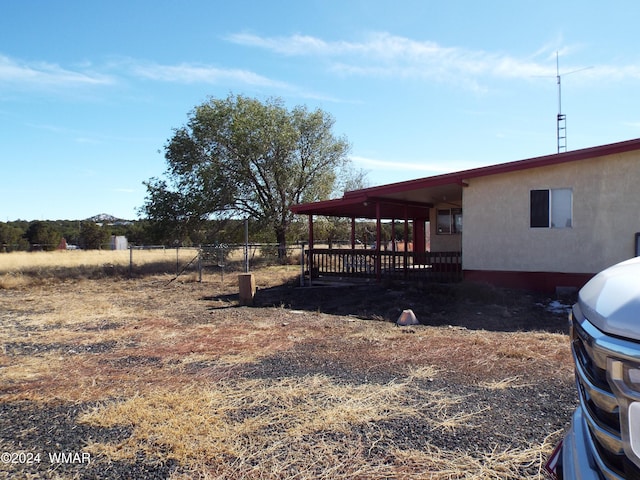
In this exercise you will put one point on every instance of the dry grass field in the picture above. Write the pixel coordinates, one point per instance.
(19, 267)
(151, 378)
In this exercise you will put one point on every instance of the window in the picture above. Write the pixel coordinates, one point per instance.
(551, 208)
(449, 221)
(539, 208)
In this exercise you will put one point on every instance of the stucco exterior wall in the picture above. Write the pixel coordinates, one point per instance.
(606, 216)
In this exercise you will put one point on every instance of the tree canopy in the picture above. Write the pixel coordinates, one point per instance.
(92, 236)
(242, 157)
(43, 236)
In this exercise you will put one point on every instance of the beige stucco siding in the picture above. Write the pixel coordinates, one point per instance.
(606, 215)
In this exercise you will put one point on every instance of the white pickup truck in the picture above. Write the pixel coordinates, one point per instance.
(604, 440)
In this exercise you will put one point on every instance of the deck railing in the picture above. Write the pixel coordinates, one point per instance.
(436, 266)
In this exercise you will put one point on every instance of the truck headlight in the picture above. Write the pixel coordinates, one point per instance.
(634, 427)
(625, 376)
(625, 380)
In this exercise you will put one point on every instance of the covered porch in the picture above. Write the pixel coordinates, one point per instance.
(367, 263)
(412, 207)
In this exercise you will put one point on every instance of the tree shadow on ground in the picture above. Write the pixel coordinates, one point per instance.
(472, 306)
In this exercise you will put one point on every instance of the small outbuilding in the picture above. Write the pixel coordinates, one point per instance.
(119, 242)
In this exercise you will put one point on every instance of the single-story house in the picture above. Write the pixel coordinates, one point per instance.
(540, 223)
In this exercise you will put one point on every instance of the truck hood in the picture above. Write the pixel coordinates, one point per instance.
(611, 299)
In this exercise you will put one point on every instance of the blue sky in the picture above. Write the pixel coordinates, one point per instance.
(90, 91)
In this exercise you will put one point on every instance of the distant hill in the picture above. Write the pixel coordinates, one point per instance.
(107, 219)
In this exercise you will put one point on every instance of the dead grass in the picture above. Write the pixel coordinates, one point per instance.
(436, 463)
(29, 261)
(505, 383)
(200, 422)
(273, 428)
(179, 364)
(19, 269)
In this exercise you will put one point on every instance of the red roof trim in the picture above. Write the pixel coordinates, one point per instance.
(363, 206)
(354, 202)
(328, 204)
(459, 177)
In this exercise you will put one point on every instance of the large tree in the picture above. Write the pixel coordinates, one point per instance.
(92, 236)
(242, 157)
(43, 236)
(11, 238)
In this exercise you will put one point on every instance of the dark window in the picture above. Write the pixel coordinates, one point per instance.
(449, 221)
(539, 208)
(444, 221)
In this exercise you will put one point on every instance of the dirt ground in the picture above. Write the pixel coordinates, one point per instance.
(153, 378)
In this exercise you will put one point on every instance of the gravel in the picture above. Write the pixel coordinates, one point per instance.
(41, 433)
(534, 409)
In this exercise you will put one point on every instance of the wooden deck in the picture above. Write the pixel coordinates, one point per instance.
(363, 263)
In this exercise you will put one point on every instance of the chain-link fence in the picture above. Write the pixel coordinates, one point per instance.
(218, 259)
(203, 260)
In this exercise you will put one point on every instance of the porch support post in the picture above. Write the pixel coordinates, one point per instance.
(353, 233)
(419, 235)
(406, 240)
(310, 262)
(419, 243)
(378, 241)
(310, 231)
(393, 236)
(394, 248)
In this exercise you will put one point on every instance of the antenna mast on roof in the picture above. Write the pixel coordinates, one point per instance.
(561, 136)
(562, 118)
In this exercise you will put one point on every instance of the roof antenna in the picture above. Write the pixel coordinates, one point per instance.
(562, 118)
(561, 123)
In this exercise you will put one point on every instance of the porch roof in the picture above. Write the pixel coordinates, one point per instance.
(415, 197)
(365, 206)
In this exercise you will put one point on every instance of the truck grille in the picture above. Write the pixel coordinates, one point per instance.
(591, 348)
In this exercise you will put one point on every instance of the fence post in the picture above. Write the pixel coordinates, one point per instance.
(247, 286)
(221, 261)
(246, 245)
(130, 261)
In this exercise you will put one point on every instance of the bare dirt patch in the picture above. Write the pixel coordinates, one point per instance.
(159, 379)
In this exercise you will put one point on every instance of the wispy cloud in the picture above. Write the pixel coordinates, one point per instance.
(392, 56)
(189, 73)
(20, 74)
(86, 136)
(426, 166)
(292, 45)
(47, 75)
(205, 74)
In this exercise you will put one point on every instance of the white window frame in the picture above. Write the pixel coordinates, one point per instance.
(560, 212)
